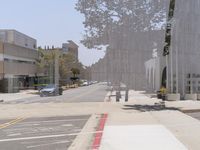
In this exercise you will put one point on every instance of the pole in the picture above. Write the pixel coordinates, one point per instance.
(167, 75)
(176, 38)
(171, 72)
(56, 65)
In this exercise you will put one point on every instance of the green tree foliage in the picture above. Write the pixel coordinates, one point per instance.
(75, 71)
(107, 17)
(66, 61)
(46, 62)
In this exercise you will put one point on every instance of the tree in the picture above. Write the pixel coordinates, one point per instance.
(46, 63)
(113, 23)
(104, 18)
(75, 72)
(66, 61)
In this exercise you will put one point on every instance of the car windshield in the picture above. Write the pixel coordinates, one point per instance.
(50, 86)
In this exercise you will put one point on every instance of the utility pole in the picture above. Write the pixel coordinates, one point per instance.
(56, 65)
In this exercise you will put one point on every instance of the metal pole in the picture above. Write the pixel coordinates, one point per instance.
(167, 75)
(176, 37)
(56, 65)
(171, 73)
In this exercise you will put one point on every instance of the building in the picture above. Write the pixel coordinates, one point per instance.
(18, 56)
(17, 38)
(179, 69)
(71, 48)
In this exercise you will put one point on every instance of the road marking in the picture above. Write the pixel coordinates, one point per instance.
(15, 134)
(12, 122)
(67, 125)
(35, 122)
(47, 136)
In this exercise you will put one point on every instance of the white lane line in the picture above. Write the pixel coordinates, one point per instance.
(26, 125)
(59, 142)
(35, 137)
(67, 125)
(15, 134)
(47, 136)
(36, 122)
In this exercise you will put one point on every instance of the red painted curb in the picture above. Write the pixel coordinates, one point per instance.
(99, 132)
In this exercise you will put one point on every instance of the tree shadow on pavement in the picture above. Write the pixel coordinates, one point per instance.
(144, 108)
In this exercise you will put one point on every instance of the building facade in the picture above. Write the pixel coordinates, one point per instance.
(18, 56)
(72, 48)
(179, 69)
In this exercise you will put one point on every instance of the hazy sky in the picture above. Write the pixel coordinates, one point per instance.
(51, 22)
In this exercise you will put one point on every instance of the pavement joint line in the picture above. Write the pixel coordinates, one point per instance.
(12, 122)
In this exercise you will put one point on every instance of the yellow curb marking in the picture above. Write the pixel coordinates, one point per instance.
(5, 125)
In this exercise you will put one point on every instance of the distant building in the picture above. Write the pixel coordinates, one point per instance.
(18, 55)
(71, 48)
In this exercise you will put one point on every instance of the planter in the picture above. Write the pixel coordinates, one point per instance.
(173, 97)
(190, 96)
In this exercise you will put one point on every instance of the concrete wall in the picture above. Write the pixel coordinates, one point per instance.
(17, 38)
(17, 51)
(184, 57)
(19, 68)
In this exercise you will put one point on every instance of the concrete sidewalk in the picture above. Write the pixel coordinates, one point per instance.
(6, 97)
(141, 98)
(152, 127)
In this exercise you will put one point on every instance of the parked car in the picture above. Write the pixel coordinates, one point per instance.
(51, 90)
(90, 83)
(85, 83)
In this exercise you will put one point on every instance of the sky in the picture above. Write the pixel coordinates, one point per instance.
(51, 22)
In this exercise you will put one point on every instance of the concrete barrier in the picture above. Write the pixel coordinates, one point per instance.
(190, 96)
(173, 97)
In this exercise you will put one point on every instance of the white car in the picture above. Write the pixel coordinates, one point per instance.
(85, 83)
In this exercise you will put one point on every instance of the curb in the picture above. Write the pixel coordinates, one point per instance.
(99, 132)
(84, 140)
(190, 110)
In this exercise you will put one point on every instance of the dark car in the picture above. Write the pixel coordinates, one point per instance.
(51, 90)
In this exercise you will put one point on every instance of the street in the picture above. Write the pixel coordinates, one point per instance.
(91, 93)
(195, 115)
(52, 131)
(46, 133)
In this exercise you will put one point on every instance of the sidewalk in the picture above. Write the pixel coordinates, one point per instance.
(151, 127)
(6, 97)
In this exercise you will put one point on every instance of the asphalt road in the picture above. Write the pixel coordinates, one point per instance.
(195, 115)
(49, 133)
(91, 93)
